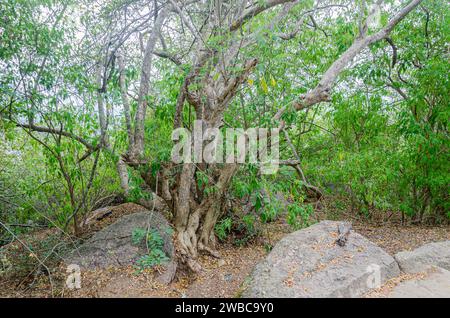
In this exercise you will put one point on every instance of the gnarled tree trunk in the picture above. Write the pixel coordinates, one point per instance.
(209, 88)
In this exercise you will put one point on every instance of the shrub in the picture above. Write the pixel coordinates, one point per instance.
(155, 245)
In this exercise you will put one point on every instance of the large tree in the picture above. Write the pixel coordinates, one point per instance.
(211, 45)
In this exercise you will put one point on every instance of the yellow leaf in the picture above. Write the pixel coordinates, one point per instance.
(264, 86)
(250, 82)
(272, 81)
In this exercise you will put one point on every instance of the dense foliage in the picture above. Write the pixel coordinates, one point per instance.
(377, 148)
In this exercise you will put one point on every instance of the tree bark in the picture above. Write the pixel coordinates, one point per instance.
(138, 144)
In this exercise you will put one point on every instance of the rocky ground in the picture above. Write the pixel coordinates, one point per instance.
(427, 284)
(220, 277)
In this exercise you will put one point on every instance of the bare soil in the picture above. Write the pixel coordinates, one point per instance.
(220, 277)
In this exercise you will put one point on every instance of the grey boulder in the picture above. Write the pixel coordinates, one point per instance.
(113, 246)
(428, 255)
(309, 263)
(436, 284)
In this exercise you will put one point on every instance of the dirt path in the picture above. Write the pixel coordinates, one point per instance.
(220, 277)
(223, 277)
(396, 238)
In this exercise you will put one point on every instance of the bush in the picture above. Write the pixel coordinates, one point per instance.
(154, 244)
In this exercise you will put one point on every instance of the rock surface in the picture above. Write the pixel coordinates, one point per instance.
(436, 284)
(112, 246)
(309, 263)
(418, 260)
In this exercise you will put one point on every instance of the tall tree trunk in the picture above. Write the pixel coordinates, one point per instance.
(195, 221)
(138, 144)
